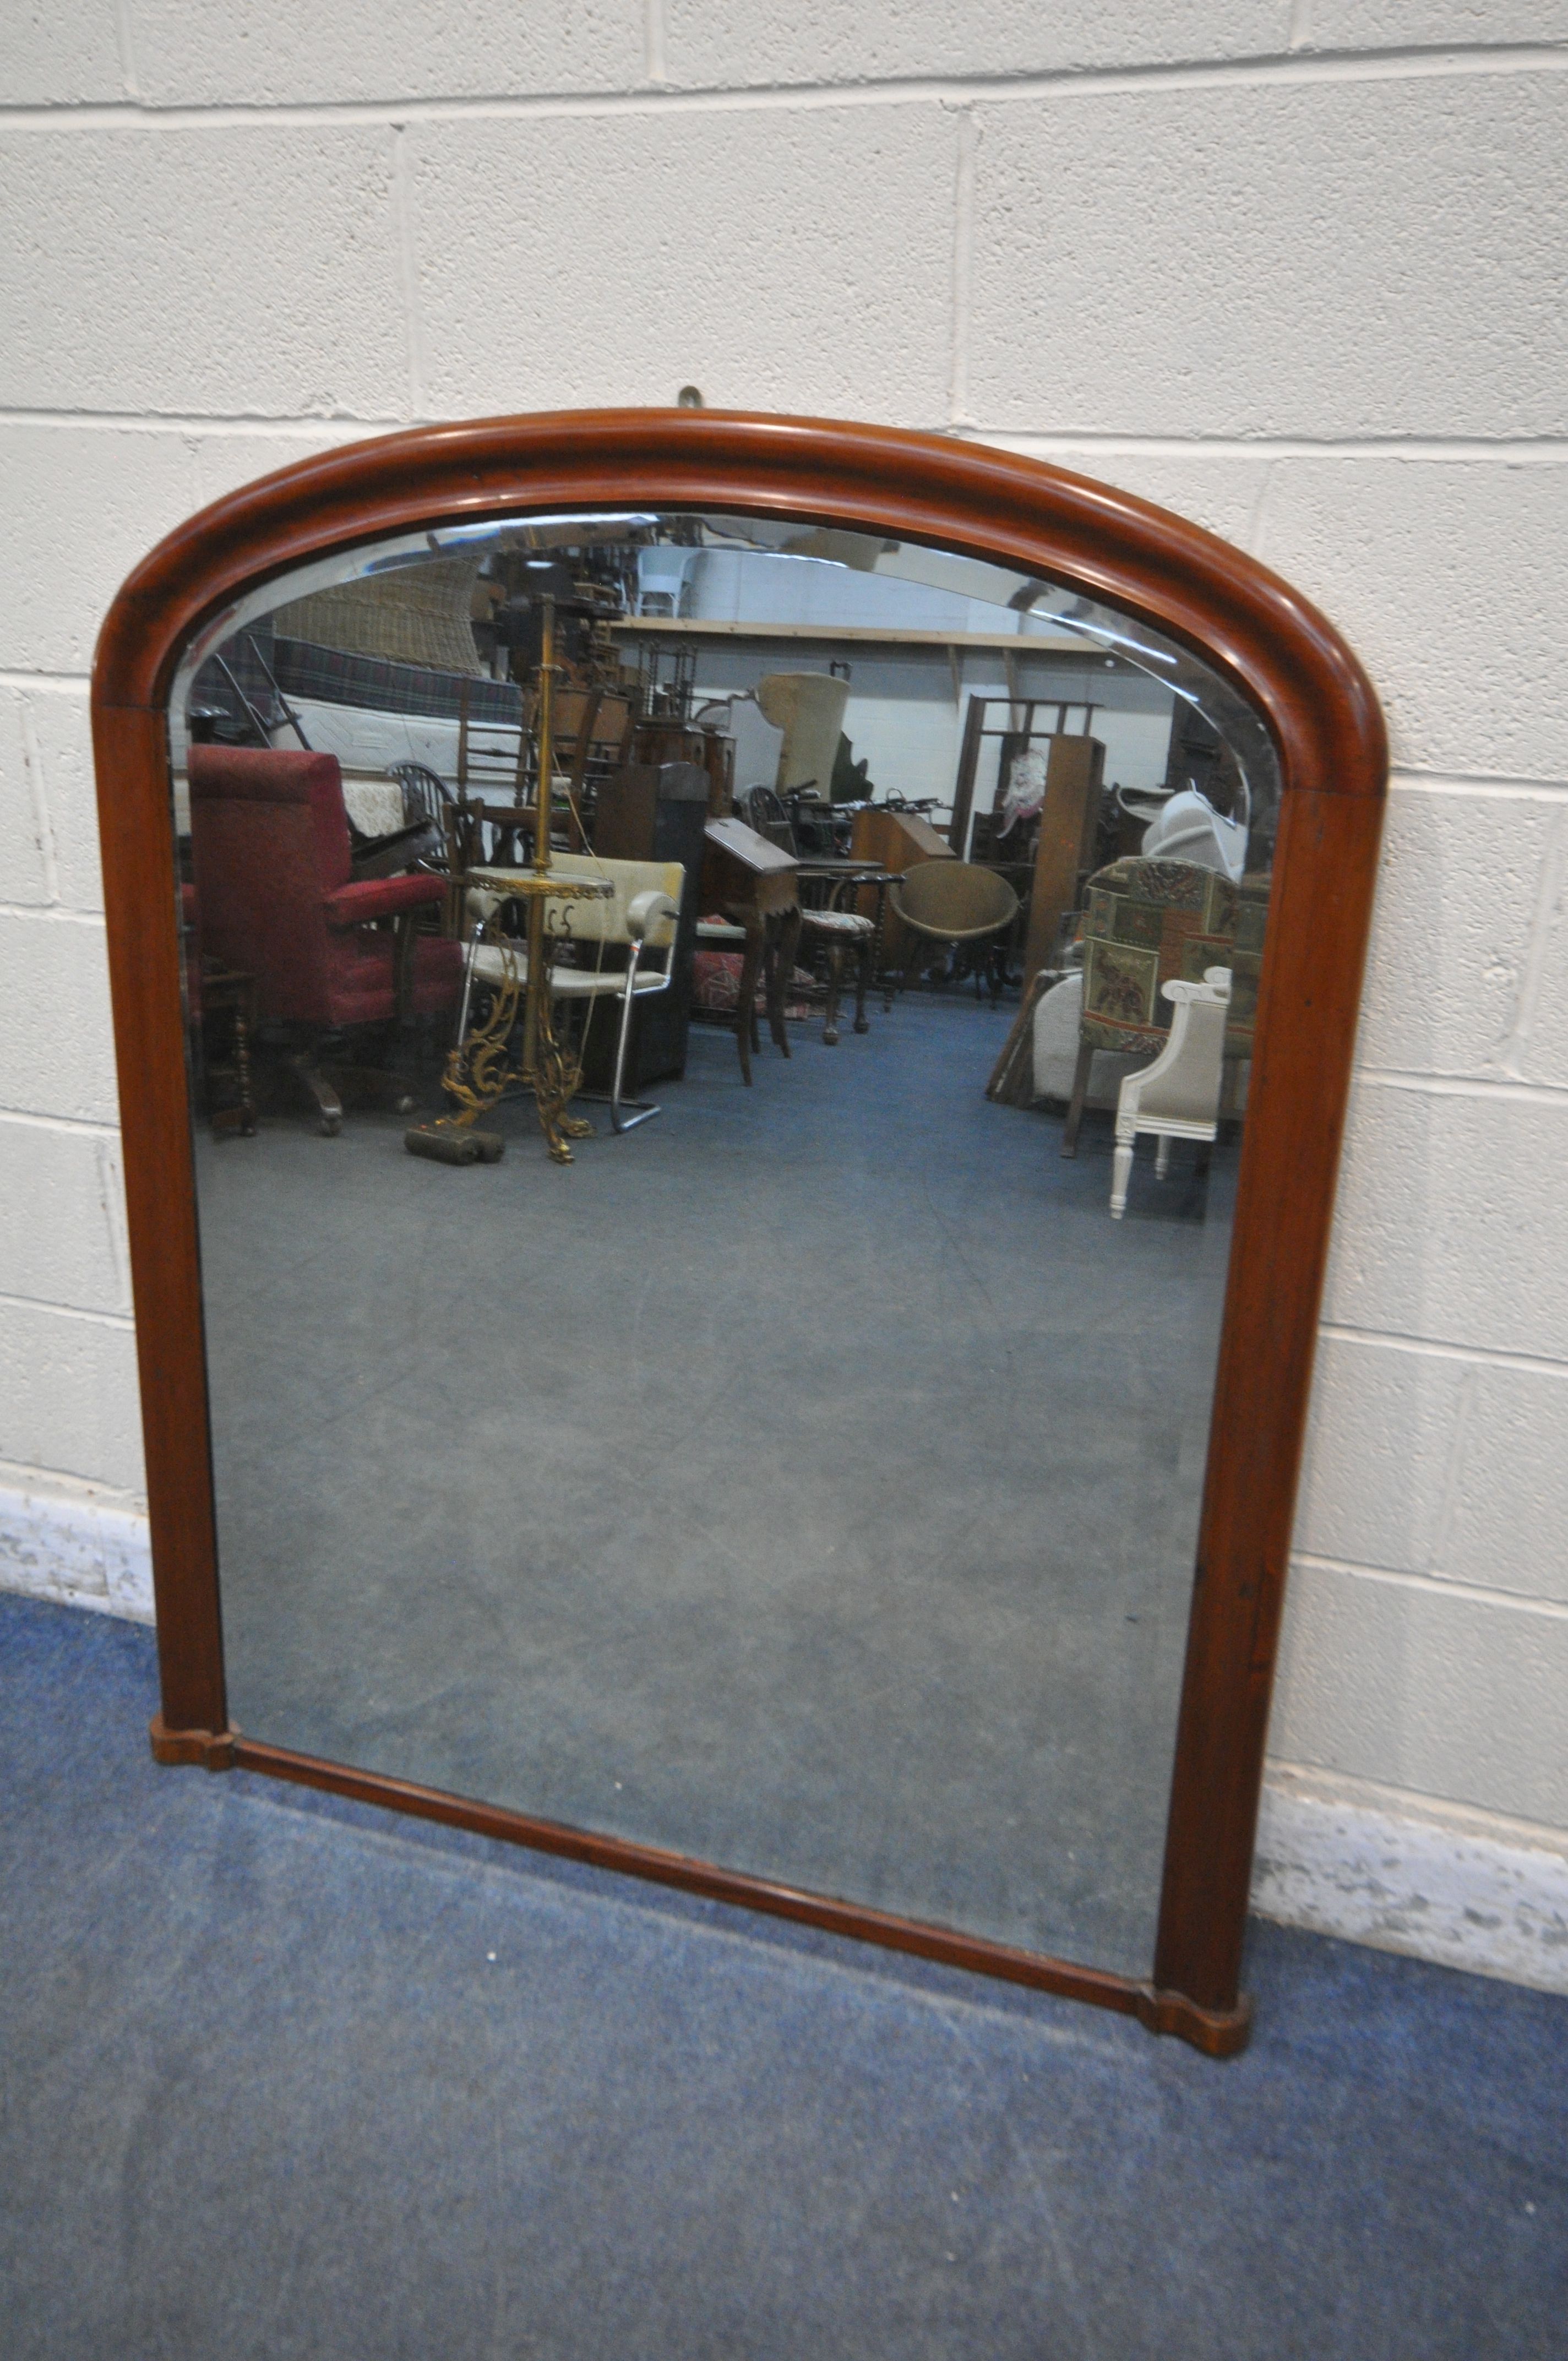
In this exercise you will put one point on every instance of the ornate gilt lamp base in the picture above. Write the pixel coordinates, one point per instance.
(478, 1070)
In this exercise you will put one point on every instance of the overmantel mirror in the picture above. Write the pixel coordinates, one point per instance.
(733, 1035)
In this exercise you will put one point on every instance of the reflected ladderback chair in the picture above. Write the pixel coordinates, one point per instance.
(839, 934)
(276, 900)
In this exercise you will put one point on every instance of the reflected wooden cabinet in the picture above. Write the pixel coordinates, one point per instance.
(650, 811)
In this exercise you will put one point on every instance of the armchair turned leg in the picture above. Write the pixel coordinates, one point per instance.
(242, 1071)
(1120, 1173)
(835, 980)
(321, 1092)
(862, 985)
(1162, 1157)
(1079, 1092)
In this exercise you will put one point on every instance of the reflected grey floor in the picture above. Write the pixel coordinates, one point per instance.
(807, 1482)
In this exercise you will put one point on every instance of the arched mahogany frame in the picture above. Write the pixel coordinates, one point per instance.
(1329, 732)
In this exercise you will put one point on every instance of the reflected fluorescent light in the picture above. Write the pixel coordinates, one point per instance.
(1160, 655)
(1099, 632)
(448, 535)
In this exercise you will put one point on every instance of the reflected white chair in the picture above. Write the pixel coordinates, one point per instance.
(1179, 1096)
(641, 913)
(662, 579)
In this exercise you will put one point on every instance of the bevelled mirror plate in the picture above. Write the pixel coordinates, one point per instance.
(733, 1035)
(805, 1479)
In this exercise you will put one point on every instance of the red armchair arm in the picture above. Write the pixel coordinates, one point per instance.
(381, 897)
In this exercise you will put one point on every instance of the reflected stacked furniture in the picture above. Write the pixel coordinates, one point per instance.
(898, 841)
(1148, 923)
(836, 931)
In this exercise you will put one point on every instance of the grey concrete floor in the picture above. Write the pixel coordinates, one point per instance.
(807, 1482)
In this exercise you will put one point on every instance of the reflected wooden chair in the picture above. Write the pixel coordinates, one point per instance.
(840, 935)
(947, 904)
(427, 799)
(1179, 1096)
(750, 898)
(639, 917)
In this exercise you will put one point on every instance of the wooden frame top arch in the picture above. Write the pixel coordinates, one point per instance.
(1273, 646)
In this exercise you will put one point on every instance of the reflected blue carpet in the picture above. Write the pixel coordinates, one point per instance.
(285, 2077)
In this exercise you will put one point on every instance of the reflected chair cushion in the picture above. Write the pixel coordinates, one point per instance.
(490, 963)
(1245, 964)
(846, 923)
(1058, 1034)
(716, 985)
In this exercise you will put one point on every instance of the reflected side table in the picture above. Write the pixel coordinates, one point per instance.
(227, 991)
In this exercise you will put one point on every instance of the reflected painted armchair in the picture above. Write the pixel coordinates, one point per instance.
(1179, 1096)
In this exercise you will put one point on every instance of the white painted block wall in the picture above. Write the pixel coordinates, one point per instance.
(1293, 270)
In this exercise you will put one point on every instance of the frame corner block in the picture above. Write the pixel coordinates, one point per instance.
(212, 1749)
(1217, 2032)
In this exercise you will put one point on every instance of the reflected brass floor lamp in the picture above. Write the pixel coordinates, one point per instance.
(478, 1070)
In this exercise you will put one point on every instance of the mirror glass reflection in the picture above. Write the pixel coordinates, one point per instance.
(712, 1297)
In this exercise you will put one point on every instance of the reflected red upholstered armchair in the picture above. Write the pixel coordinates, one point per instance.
(275, 899)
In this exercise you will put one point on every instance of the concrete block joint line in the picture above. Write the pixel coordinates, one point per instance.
(1295, 277)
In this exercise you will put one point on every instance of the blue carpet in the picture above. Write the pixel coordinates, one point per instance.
(284, 2077)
